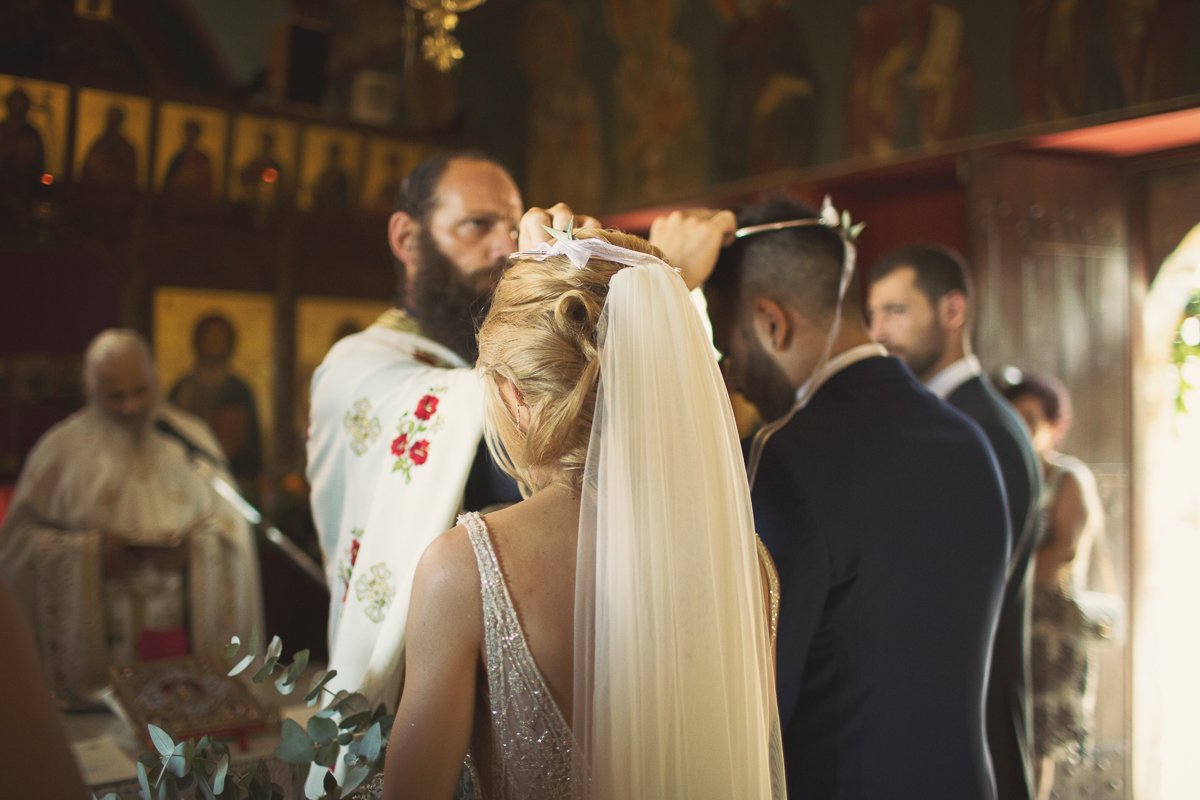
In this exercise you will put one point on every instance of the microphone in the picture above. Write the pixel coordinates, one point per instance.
(165, 426)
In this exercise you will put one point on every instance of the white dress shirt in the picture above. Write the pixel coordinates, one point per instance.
(835, 365)
(954, 376)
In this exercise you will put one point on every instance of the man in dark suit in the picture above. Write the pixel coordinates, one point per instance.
(890, 593)
(919, 304)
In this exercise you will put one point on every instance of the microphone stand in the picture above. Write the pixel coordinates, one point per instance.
(204, 465)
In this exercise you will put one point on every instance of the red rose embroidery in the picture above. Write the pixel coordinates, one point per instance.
(354, 552)
(415, 428)
(427, 407)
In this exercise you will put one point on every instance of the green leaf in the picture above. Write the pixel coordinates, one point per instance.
(162, 740)
(189, 755)
(253, 648)
(339, 697)
(275, 648)
(294, 670)
(240, 667)
(370, 743)
(385, 723)
(345, 738)
(265, 671)
(354, 721)
(327, 754)
(175, 763)
(315, 692)
(355, 776)
(331, 784)
(351, 704)
(218, 781)
(143, 782)
(294, 745)
(322, 730)
(234, 647)
(284, 686)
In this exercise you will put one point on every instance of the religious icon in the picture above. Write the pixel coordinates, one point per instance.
(564, 150)
(329, 169)
(263, 161)
(388, 161)
(112, 134)
(216, 394)
(190, 158)
(660, 146)
(767, 105)
(32, 136)
(34, 128)
(910, 79)
(215, 354)
(97, 10)
(1075, 59)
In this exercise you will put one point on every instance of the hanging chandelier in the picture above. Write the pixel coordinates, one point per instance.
(439, 46)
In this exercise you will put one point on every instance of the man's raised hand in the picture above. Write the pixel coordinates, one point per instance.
(692, 239)
(557, 216)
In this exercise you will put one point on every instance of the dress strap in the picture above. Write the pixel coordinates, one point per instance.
(481, 543)
(497, 605)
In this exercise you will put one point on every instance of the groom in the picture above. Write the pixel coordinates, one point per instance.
(868, 498)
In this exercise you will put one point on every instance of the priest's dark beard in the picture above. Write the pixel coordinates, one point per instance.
(451, 306)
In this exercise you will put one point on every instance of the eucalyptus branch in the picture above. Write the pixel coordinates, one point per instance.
(200, 768)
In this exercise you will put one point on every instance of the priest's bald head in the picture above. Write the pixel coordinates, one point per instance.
(119, 377)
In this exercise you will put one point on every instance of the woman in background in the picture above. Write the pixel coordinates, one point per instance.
(1073, 520)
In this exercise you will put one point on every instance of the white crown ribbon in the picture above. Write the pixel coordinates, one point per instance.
(580, 251)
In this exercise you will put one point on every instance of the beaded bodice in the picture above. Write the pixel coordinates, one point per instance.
(532, 744)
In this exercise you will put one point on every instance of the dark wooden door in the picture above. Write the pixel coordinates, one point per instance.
(1049, 248)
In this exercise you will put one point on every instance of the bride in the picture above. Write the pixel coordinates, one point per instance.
(609, 636)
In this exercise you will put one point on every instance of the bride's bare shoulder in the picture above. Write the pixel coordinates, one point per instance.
(447, 567)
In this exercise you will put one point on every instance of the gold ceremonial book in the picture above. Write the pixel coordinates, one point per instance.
(187, 697)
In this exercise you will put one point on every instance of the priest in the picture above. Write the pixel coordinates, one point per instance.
(116, 545)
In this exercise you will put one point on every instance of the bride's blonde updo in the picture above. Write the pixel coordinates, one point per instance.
(541, 336)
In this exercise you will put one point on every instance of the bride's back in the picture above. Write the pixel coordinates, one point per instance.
(674, 691)
(538, 355)
(535, 544)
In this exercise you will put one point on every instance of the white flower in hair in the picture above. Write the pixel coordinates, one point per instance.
(831, 219)
(829, 214)
(566, 235)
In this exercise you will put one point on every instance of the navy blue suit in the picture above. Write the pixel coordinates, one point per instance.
(1007, 710)
(870, 500)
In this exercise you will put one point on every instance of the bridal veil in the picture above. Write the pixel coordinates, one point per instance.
(674, 689)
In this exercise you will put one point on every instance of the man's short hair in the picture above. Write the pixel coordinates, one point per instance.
(800, 266)
(939, 269)
(418, 191)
